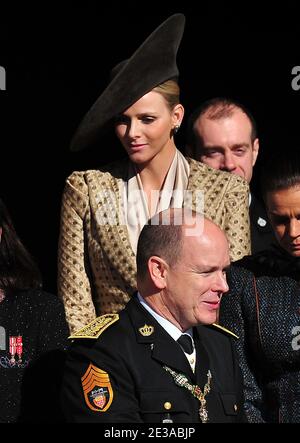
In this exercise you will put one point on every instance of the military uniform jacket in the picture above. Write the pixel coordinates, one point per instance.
(119, 377)
(96, 264)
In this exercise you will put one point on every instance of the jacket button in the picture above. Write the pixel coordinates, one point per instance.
(167, 405)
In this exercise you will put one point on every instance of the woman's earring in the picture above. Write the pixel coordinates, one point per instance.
(176, 129)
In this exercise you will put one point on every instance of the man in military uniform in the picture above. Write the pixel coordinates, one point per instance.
(161, 359)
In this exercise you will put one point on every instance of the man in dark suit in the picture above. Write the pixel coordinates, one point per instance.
(222, 134)
(161, 359)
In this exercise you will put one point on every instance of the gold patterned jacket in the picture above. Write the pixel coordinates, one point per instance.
(96, 264)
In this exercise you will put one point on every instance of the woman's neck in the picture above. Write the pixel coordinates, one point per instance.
(153, 176)
(153, 173)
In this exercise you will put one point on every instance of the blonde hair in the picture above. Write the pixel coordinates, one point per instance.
(170, 91)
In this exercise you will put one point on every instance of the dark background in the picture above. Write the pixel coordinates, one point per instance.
(58, 61)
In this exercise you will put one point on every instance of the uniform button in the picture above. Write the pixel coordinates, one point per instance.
(167, 405)
(235, 408)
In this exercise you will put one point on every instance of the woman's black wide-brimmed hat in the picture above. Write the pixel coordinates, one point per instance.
(153, 63)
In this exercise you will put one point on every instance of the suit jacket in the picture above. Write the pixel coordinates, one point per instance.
(136, 387)
(96, 264)
(262, 234)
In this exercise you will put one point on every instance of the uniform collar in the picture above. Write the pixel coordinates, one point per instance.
(149, 331)
(169, 327)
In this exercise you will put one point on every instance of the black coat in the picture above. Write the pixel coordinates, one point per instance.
(140, 386)
(266, 317)
(29, 386)
(262, 235)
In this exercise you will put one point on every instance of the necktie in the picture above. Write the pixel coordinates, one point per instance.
(186, 343)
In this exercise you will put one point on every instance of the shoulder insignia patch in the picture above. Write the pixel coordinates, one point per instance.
(96, 327)
(97, 389)
(221, 328)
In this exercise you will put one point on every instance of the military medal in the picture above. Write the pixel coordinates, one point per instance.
(182, 381)
(12, 349)
(19, 348)
(15, 347)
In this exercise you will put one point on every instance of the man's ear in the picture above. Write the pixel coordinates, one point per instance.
(157, 269)
(255, 149)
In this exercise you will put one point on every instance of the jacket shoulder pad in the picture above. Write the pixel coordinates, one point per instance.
(222, 329)
(96, 327)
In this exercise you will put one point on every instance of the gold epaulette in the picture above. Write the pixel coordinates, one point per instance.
(96, 327)
(224, 329)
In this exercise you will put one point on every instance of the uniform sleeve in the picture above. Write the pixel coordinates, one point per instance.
(98, 388)
(74, 286)
(237, 225)
(233, 317)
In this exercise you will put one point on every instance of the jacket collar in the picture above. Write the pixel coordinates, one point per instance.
(163, 348)
(109, 198)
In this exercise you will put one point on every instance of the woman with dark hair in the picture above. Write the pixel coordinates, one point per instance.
(263, 305)
(103, 211)
(32, 331)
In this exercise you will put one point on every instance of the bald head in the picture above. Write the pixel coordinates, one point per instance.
(169, 231)
(203, 232)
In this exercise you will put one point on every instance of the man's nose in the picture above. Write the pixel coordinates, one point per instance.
(221, 284)
(229, 163)
(225, 284)
(294, 228)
